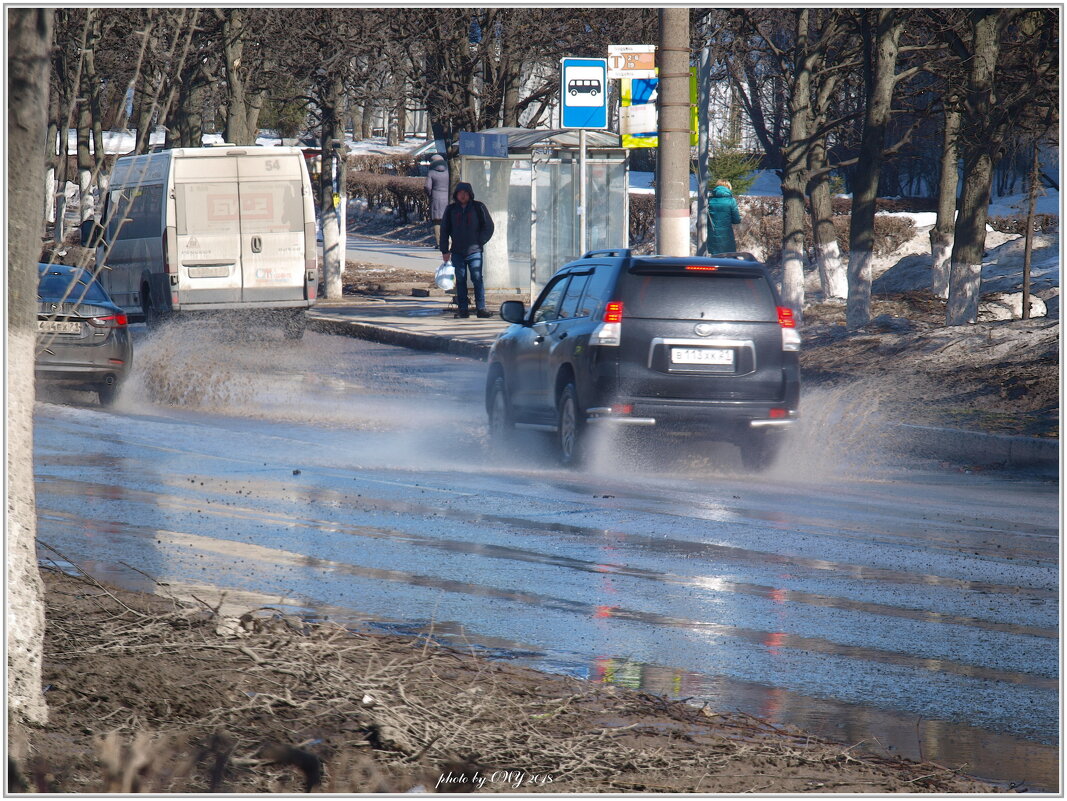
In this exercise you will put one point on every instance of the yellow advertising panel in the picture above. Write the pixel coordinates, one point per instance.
(637, 114)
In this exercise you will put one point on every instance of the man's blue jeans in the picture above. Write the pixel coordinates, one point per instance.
(472, 262)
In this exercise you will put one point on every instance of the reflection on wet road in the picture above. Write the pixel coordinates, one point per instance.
(907, 607)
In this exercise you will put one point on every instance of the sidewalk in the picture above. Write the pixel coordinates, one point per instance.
(412, 322)
(426, 323)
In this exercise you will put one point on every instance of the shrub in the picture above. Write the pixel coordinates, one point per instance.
(404, 196)
(1016, 224)
(381, 163)
(842, 206)
(763, 233)
(642, 218)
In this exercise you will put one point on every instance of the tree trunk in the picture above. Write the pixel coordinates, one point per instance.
(942, 234)
(355, 116)
(188, 118)
(965, 281)
(238, 106)
(1028, 248)
(332, 207)
(85, 166)
(795, 175)
(145, 113)
(96, 112)
(512, 81)
(881, 78)
(367, 122)
(827, 249)
(29, 33)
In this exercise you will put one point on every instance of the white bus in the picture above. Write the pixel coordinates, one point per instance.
(211, 229)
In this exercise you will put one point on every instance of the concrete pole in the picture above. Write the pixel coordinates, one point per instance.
(672, 190)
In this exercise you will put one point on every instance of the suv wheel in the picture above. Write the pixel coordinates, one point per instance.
(759, 451)
(107, 394)
(501, 423)
(570, 427)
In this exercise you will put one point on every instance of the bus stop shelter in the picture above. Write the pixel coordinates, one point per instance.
(532, 194)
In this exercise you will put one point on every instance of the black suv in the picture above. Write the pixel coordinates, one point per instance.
(693, 345)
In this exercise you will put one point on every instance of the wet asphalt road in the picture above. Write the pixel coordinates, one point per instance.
(856, 596)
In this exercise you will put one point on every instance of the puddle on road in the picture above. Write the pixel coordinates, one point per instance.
(991, 756)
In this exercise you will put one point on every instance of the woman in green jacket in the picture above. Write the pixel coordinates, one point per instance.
(723, 215)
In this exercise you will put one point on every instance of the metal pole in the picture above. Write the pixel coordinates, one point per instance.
(672, 190)
(581, 192)
(533, 225)
(703, 142)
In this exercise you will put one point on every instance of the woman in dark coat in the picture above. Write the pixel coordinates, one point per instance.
(723, 215)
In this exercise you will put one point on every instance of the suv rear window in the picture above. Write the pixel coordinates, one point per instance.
(695, 296)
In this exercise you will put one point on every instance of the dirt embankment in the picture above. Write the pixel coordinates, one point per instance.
(997, 377)
(149, 695)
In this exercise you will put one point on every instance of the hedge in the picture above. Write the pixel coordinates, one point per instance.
(403, 195)
(1016, 224)
(764, 233)
(842, 206)
(381, 164)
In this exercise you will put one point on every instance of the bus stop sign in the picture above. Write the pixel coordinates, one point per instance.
(584, 93)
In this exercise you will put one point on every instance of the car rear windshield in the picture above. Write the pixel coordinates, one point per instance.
(698, 295)
(53, 286)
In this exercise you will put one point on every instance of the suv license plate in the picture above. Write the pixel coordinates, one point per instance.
(702, 356)
(58, 327)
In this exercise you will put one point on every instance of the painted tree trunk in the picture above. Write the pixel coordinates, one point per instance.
(832, 277)
(942, 234)
(795, 177)
(965, 281)
(29, 33)
(881, 77)
(333, 239)
(793, 243)
(968, 249)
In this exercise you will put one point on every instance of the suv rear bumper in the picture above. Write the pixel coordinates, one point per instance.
(696, 416)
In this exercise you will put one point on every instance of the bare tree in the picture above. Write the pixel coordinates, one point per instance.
(942, 234)
(1012, 75)
(29, 37)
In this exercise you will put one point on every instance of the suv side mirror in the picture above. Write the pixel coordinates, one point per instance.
(513, 311)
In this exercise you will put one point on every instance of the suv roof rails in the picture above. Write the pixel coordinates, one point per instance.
(744, 255)
(618, 252)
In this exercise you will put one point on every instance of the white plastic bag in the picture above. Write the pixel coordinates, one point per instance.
(445, 277)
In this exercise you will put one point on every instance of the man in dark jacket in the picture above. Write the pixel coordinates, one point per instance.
(467, 225)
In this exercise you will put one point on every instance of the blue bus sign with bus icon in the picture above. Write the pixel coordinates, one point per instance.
(583, 93)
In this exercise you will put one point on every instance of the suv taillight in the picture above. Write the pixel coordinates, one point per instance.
(790, 335)
(609, 332)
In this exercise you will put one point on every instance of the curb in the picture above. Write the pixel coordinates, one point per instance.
(396, 336)
(978, 448)
(953, 444)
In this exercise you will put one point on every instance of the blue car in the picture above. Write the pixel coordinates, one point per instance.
(83, 338)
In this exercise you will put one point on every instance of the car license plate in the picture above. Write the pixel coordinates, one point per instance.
(702, 356)
(58, 327)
